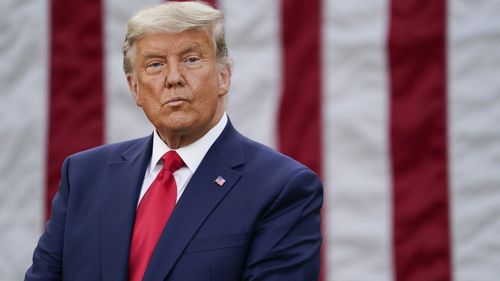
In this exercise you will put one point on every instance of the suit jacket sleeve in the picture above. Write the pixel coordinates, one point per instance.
(287, 239)
(47, 257)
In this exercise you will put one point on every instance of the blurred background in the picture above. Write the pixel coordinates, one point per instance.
(395, 103)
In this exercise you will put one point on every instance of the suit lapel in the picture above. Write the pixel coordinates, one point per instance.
(197, 202)
(119, 206)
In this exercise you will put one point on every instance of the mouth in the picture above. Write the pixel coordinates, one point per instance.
(175, 101)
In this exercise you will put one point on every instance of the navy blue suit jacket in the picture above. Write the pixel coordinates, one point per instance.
(262, 224)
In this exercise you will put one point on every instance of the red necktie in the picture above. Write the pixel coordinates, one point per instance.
(152, 214)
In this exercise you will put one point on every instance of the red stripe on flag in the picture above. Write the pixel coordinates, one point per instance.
(417, 57)
(76, 84)
(299, 121)
(211, 2)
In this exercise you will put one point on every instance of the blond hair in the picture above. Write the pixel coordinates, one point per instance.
(175, 17)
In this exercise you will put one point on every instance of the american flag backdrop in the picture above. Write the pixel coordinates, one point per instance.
(395, 103)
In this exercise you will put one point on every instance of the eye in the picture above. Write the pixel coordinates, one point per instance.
(154, 64)
(192, 60)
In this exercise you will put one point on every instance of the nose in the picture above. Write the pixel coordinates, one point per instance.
(174, 76)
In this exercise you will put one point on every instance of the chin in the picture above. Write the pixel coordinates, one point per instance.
(175, 126)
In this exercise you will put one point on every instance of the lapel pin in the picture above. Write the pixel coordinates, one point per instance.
(220, 181)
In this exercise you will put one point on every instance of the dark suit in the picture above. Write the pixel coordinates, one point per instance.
(263, 223)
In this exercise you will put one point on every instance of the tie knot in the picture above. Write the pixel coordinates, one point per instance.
(172, 161)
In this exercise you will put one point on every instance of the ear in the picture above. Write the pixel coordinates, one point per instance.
(134, 88)
(224, 80)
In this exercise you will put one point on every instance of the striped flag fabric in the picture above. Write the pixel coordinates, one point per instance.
(394, 103)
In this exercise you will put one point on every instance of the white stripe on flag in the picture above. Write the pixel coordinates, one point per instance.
(253, 35)
(474, 114)
(357, 178)
(23, 77)
(124, 120)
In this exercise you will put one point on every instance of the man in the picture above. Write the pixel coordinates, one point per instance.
(195, 200)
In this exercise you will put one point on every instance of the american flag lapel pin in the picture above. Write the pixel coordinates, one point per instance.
(220, 181)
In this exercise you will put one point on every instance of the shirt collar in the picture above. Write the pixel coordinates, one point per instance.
(191, 154)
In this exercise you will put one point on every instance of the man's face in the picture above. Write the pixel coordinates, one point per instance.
(178, 84)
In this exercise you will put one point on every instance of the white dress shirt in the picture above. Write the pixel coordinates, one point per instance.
(191, 155)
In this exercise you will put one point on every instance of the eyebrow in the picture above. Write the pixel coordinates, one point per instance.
(149, 54)
(191, 47)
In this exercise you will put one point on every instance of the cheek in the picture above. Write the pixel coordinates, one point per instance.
(206, 85)
(150, 89)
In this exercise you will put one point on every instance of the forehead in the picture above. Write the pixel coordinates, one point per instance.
(199, 39)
